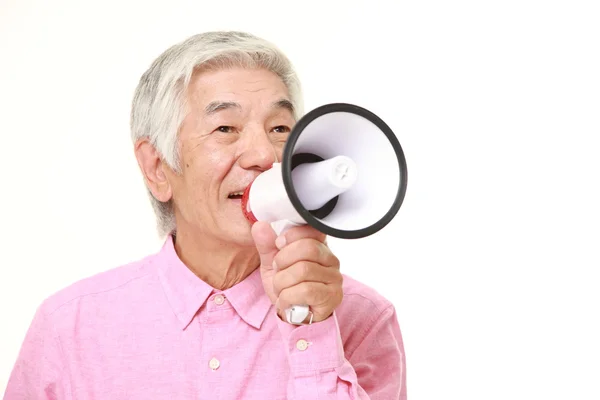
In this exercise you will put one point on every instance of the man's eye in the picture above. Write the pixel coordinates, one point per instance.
(281, 129)
(225, 129)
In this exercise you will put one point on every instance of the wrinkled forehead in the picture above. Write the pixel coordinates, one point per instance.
(214, 90)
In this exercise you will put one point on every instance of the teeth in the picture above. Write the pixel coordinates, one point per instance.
(237, 194)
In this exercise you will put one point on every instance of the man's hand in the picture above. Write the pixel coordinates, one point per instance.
(299, 268)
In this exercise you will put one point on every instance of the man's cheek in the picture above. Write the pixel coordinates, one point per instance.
(220, 166)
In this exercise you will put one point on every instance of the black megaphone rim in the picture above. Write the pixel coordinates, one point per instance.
(286, 169)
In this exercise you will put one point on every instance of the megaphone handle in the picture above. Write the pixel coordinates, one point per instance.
(283, 225)
(297, 313)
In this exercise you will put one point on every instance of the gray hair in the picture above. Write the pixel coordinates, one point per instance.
(160, 104)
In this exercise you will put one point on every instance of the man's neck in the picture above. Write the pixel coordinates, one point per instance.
(219, 264)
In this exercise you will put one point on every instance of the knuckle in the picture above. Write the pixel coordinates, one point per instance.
(336, 294)
(304, 270)
(305, 232)
(316, 251)
(277, 283)
(309, 291)
(335, 261)
(300, 232)
(326, 254)
(322, 294)
(308, 249)
(279, 259)
(338, 278)
(327, 296)
(323, 250)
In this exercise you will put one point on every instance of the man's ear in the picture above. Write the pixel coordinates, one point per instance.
(153, 169)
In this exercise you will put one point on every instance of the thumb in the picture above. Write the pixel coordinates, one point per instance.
(264, 238)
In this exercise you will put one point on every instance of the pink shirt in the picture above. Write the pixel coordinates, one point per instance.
(153, 330)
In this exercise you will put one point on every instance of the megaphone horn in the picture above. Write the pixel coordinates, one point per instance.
(343, 172)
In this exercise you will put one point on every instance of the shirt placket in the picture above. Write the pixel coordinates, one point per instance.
(216, 326)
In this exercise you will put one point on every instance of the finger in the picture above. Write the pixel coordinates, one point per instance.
(264, 240)
(306, 249)
(314, 294)
(305, 272)
(300, 232)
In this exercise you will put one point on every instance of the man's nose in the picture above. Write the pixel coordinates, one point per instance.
(258, 152)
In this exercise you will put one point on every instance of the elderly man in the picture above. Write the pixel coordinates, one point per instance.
(203, 318)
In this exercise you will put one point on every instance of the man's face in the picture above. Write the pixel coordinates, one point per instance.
(238, 122)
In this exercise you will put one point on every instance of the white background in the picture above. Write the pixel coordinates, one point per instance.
(493, 259)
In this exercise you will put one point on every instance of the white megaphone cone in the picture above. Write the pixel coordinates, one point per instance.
(343, 172)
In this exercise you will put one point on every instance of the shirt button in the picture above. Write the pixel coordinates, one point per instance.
(214, 364)
(301, 344)
(219, 299)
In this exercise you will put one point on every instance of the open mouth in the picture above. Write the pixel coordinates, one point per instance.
(236, 195)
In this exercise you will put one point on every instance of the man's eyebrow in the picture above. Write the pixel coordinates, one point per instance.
(284, 103)
(215, 106)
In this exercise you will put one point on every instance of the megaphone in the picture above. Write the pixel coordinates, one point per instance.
(343, 172)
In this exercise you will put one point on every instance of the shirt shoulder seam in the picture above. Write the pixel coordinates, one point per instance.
(82, 295)
(381, 305)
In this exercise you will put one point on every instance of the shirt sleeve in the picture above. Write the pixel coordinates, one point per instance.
(36, 374)
(320, 369)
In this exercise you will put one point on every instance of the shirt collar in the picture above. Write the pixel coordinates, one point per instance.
(249, 299)
(187, 293)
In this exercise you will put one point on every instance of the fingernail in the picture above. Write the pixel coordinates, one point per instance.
(280, 242)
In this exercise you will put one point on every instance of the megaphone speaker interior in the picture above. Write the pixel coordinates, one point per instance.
(343, 172)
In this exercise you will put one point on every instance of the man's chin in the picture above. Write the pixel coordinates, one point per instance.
(239, 231)
(238, 228)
